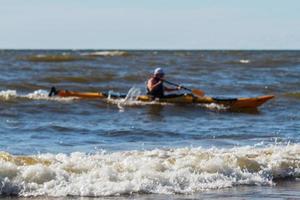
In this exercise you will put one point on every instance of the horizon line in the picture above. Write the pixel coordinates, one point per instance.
(149, 49)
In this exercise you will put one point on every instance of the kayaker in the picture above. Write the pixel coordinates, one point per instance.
(155, 86)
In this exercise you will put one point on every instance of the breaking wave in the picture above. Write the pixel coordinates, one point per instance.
(106, 53)
(7, 95)
(158, 171)
(245, 61)
(67, 57)
(55, 58)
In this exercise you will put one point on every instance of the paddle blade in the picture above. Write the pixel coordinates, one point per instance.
(198, 93)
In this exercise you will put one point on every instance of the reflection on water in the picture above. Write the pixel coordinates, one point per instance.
(154, 112)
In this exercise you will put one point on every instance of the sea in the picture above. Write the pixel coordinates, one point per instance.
(116, 149)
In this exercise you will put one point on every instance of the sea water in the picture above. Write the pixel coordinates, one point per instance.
(118, 149)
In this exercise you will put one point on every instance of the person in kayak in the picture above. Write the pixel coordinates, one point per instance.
(155, 86)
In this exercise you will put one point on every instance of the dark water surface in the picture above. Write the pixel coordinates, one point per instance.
(88, 148)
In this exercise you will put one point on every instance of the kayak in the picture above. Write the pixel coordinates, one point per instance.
(232, 103)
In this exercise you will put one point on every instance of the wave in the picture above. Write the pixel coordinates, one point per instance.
(106, 53)
(78, 79)
(158, 171)
(142, 134)
(66, 57)
(241, 61)
(295, 95)
(266, 61)
(280, 60)
(55, 58)
(7, 95)
(245, 61)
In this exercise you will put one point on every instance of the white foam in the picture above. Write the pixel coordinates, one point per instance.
(8, 94)
(245, 61)
(214, 106)
(105, 53)
(36, 95)
(38, 174)
(43, 95)
(7, 170)
(159, 171)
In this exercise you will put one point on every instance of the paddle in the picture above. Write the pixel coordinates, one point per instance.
(195, 92)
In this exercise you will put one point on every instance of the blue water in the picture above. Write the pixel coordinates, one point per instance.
(32, 124)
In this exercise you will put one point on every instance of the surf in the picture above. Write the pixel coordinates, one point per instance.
(157, 171)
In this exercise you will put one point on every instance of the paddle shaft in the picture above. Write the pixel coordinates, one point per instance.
(177, 85)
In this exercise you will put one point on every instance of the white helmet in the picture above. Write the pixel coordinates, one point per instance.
(159, 71)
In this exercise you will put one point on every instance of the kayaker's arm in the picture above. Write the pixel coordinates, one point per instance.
(167, 89)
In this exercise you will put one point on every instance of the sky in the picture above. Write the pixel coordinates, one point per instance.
(149, 24)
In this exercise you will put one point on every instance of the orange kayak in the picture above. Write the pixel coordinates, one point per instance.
(232, 103)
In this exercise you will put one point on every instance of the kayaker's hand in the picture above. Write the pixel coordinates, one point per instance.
(179, 87)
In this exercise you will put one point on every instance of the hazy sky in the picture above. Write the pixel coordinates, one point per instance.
(150, 24)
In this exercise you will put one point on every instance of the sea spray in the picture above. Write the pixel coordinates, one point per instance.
(130, 98)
